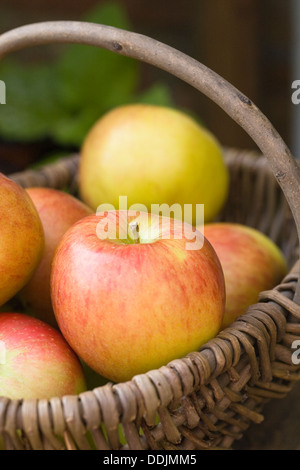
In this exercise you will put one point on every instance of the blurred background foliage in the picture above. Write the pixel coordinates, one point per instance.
(61, 101)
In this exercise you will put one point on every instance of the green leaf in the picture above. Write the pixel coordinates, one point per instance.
(92, 80)
(30, 102)
(159, 94)
(62, 100)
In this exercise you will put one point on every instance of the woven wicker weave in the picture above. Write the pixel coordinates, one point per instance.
(208, 399)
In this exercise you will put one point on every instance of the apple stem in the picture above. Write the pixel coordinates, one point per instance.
(135, 229)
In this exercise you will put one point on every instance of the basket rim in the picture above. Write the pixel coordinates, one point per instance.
(145, 394)
(213, 359)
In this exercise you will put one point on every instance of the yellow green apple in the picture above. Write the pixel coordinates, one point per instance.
(21, 238)
(58, 210)
(35, 360)
(155, 156)
(251, 262)
(132, 291)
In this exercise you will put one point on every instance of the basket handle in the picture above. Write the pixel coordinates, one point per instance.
(238, 106)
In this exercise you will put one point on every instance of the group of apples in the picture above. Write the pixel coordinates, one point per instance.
(123, 305)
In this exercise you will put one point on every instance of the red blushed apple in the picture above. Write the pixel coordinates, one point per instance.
(251, 262)
(58, 211)
(21, 238)
(35, 360)
(133, 291)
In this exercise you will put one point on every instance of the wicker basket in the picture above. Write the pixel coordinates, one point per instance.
(208, 399)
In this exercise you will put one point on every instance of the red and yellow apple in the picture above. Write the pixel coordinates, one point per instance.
(251, 262)
(58, 210)
(132, 291)
(21, 238)
(35, 360)
(154, 156)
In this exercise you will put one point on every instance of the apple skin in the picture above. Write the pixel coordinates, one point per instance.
(37, 361)
(152, 155)
(251, 262)
(58, 211)
(21, 238)
(126, 308)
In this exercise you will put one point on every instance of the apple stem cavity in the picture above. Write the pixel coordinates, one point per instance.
(135, 231)
(2, 353)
